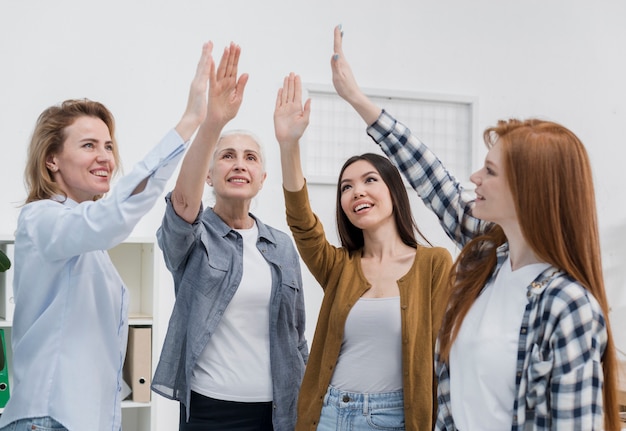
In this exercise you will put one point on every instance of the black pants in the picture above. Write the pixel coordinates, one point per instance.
(209, 414)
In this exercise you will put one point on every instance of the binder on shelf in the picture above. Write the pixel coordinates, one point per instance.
(4, 372)
(138, 364)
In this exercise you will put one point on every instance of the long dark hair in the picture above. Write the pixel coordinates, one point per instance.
(351, 237)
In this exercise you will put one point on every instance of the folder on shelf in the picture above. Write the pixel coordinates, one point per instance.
(138, 364)
(4, 372)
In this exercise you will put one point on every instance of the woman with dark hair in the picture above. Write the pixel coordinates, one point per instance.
(351, 236)
(371, 359)
(525, 342)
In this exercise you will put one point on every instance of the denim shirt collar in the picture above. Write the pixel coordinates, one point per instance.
(223, 229)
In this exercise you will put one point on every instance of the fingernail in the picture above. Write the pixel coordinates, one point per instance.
(336, 57)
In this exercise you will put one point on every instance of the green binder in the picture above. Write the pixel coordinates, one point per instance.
(4, 372)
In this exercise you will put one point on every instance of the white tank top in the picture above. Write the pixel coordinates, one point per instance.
(370, 360)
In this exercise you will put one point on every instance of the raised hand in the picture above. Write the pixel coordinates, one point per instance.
(291, 118)
(343, 78)
(225, 94)
(290, 121)
(345, 83)
(196, 109)
(225, 89)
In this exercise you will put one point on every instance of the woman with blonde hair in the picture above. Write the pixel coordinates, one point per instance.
(525, 342)
(70, 325)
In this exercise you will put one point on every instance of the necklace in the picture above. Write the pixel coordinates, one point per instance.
(540, 284)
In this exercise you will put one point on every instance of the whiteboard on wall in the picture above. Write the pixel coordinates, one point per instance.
(336, 132)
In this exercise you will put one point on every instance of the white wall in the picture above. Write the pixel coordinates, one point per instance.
(561, 60)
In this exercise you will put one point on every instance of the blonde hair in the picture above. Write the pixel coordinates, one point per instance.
(48, 138)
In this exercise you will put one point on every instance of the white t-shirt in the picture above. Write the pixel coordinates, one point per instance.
(483, 357)
(235, 364)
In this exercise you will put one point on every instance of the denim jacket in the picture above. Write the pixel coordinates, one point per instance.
(206, 261)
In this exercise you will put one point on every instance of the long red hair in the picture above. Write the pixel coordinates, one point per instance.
(549, 174)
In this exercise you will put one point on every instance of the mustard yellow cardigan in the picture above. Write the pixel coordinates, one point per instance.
(339, 273)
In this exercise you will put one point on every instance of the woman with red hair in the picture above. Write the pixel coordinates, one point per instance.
(525, 342)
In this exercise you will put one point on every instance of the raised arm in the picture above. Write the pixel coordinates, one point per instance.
(291, 119)
(196, 103)
(225, 97)
(345, 83)
(437, 188)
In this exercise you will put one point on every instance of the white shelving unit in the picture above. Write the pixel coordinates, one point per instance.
(135, 261)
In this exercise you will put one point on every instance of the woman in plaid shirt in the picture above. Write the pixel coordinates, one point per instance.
(525, 343)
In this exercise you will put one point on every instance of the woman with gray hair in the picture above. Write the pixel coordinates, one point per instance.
(235, 350)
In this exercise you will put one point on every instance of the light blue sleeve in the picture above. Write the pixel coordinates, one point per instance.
(62, 230)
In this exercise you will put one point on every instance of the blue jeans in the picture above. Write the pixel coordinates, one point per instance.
(355, 411)
(35, 424)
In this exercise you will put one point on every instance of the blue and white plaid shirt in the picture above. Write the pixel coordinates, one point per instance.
(563, 333)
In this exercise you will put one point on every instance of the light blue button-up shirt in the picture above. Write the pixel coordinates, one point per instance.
(71, 306)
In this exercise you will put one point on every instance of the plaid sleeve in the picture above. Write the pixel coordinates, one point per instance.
(439, 190)
(444, 420)
(571, 360)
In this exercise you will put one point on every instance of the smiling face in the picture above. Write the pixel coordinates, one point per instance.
(84, 167)
(237, 168)
(494, 200)
(365, 198)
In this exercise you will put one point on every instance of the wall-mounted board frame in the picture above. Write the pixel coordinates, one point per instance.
(446, 123)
